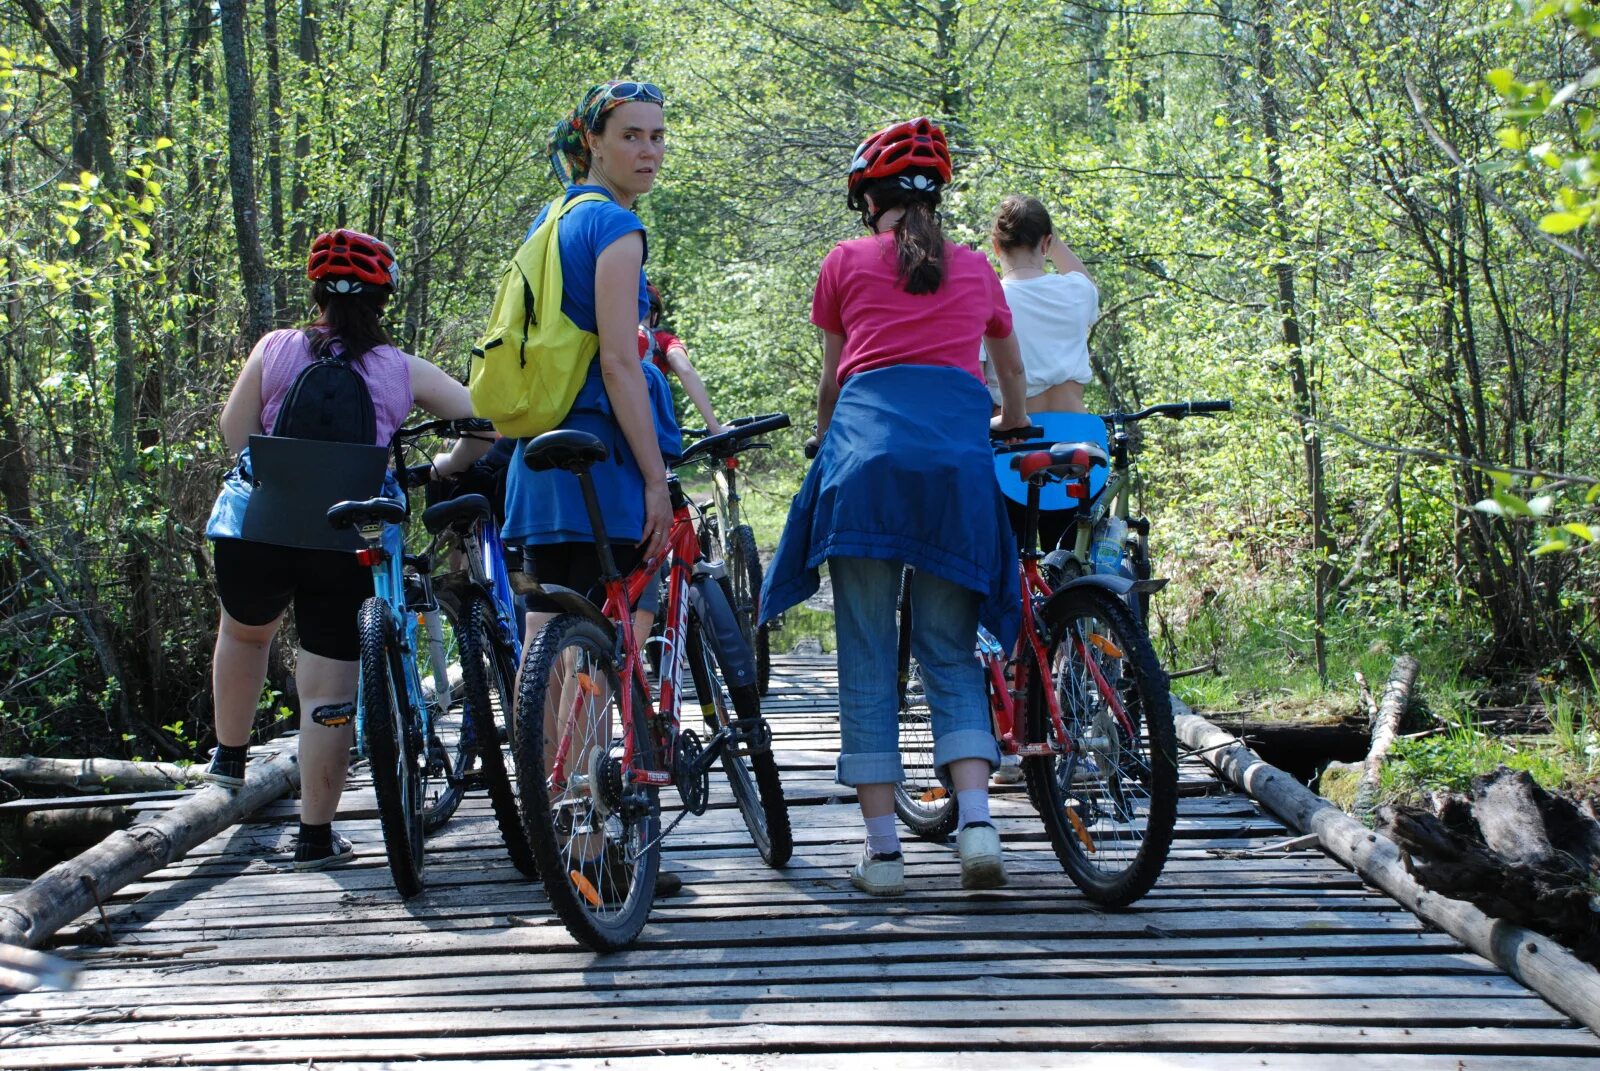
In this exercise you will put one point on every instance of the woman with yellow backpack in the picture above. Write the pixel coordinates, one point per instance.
(607, 154)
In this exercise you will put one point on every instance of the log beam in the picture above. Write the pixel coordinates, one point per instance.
(1537, 961)
(1385, 730)
(80, 884)
(98, 775)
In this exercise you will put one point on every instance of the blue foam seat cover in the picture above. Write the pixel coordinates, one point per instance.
(1058, 427)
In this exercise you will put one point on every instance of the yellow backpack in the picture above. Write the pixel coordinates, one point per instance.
(531, 359)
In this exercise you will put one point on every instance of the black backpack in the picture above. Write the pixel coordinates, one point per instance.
(329, 401)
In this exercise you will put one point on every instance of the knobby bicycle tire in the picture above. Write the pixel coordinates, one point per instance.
(452, 747)
(489, 682)
(392, 745)
(753, 777)
(744, 575)
(582, 853)
(1109, 804)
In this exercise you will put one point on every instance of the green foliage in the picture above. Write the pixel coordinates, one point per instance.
(1369, 175)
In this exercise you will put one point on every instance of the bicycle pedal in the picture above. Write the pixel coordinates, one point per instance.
(752, 737)
(334, 715)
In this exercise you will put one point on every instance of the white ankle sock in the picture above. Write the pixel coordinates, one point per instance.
(883, 837)
(974, 805)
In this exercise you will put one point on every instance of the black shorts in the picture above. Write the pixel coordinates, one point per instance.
(258, 581)
(576, 566)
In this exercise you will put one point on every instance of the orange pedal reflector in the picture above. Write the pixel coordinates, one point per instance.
(587, 683)
(585, 888)
(1106, 647)
(1079, 828)
(933, 795)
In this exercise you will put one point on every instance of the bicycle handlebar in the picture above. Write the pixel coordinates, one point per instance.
(465, 427)
(740, 431)
(1175, 410)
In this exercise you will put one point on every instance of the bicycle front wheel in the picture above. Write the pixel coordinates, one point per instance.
(923, 803)
(488, 681)
(394, 745)
(450, 748)
(744, 580)
(752, 775)
(1109, 799)
(594, 835)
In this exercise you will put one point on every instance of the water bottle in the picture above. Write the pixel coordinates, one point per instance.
(1105, 552)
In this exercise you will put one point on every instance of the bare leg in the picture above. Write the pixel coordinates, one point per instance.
(324, 751)
(878, 800)
(238, 671)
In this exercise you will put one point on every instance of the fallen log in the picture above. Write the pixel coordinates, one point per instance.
(83, 883)
(1533, 959)
(1512, 849)
(78, 828)
(104, 775)
(1385, 728)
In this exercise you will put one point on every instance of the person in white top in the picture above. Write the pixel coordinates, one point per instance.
(1051, 314)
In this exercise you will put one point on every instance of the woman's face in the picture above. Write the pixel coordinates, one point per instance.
(628, 152)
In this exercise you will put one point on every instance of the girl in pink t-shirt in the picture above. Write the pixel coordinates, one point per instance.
(906, 479)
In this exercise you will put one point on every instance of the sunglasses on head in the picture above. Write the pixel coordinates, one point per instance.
(648, 92)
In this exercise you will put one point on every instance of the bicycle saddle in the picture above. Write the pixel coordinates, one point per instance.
(563, 449)
(361, 514)
(1070, 461)
(460, 513)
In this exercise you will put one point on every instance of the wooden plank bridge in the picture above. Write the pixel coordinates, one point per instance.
(1244, 956)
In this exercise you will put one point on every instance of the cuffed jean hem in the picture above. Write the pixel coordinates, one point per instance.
(872, 768)
(964, 744)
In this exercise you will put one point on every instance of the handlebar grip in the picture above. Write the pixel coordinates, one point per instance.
(1027, 431)
(418, 476)
(1223, 406)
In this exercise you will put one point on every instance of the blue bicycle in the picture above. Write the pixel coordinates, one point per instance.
(398, 723)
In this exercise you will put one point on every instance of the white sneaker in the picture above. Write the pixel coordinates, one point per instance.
(1009, 771)
(880, 875)
(982, 866)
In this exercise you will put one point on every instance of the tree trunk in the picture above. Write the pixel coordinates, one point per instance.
(300, 240)
(422, 221)
(269, 35)
(97, 774)
(241, 172)
(1385, 728)
(1322, 541)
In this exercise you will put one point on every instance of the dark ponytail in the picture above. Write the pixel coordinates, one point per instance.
(918, 238)
(354, 319)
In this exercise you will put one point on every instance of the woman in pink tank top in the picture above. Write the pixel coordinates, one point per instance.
(353, 277)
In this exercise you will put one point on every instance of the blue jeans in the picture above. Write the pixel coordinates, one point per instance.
(944, 625)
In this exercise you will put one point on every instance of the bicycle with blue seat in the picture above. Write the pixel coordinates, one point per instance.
(400, 727)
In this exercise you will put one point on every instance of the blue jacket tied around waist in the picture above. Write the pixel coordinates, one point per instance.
(905, 474)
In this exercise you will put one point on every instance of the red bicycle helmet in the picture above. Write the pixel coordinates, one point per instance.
(916, 144)
(350, 259)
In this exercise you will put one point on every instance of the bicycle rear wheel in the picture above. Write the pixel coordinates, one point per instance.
(594, 836)
(450, 749)
(923, 803)
(744, 581)
(394, 744)
(489, 685)
(1110, 800)
(753, 776)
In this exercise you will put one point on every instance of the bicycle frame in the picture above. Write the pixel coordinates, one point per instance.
(622, 595)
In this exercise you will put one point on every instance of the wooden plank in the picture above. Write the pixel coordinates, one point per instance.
(749, 1037)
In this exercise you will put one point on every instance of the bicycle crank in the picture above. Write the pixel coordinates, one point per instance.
(691, 773)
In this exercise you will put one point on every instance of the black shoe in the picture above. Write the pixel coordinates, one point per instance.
(227, 773)
(319, 856)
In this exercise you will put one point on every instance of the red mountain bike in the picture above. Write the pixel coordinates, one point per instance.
(1082, 700)
(593, 753)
